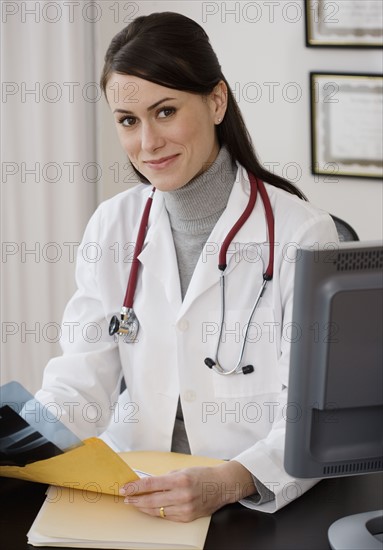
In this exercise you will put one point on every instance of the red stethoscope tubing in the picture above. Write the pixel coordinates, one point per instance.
(132, 283)
(255, 185)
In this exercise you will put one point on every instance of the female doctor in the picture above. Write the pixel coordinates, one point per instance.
(202, 339)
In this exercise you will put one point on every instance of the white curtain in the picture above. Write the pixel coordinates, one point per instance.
(50, 175)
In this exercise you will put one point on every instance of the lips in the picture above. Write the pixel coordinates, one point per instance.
(163, 162)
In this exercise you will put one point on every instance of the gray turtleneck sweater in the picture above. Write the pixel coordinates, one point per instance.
(195, 209)
(193, 212)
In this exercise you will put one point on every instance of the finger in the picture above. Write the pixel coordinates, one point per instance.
(170, 513)
(178, 505)
(130, 489)
(155, 499)
(146, 485)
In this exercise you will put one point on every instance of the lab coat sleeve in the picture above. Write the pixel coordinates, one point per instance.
(83, 384)
(265, 459)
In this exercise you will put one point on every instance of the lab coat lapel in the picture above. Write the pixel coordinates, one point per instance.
(206, 273)
(158, 255)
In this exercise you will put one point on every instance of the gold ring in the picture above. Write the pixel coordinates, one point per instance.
(162, 512)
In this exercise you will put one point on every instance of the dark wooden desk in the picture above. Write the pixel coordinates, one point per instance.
(302, 525)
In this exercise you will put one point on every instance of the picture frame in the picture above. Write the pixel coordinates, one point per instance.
(346, 124)
(344, 23)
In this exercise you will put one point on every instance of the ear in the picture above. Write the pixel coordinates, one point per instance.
(218, 99)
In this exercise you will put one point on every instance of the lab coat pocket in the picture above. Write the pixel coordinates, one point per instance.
(261, 351)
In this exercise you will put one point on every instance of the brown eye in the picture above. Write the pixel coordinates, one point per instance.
(127, 121)
(165, 112)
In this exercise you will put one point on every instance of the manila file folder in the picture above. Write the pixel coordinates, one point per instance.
(77, 520)
(83, 508)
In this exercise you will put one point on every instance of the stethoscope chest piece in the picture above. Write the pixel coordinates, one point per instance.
(127, 327)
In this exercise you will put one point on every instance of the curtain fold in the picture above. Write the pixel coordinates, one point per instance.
(50, 177)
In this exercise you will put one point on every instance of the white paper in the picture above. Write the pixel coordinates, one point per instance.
(356, 127)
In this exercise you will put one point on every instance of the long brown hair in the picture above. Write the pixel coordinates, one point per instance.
(173, 51)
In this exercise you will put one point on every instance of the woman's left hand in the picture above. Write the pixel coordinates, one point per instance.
(185, 495)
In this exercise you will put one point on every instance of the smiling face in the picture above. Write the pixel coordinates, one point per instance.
(169, 135)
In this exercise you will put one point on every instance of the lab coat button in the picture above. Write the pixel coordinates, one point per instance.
(190, 396)
(183, 325)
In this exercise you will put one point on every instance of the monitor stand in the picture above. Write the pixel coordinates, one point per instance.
(357, 531)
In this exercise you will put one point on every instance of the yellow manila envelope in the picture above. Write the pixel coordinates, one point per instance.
(96, 467)
(92, 467)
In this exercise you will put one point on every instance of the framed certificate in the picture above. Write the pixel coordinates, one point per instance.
(344, 23)
(347, 124)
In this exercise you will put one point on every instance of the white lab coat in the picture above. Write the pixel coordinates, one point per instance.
(239, 416)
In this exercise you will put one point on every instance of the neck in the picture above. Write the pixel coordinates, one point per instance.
(196, 207)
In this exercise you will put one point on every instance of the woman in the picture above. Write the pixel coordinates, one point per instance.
(179, 124)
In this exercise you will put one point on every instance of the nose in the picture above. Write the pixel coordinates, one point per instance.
(151, 137)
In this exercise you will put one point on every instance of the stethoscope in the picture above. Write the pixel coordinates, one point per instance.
(127, 326)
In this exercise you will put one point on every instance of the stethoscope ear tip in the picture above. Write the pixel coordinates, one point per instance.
(209, 362)
(248, 369)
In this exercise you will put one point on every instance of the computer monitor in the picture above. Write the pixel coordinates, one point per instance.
(335, 394)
